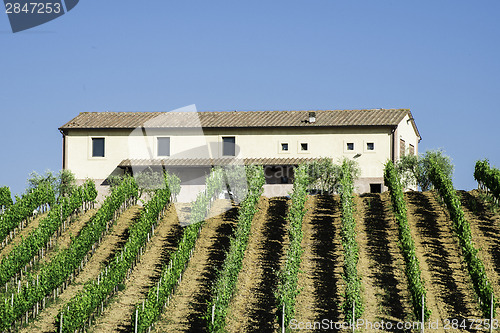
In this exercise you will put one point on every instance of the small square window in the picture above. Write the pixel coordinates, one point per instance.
(304, 147)
(97, 147)
(284, 146)
(350, 146)
(370, 146)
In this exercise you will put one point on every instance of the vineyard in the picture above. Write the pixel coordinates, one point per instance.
(249, 263)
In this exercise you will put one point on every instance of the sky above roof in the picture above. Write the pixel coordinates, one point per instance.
(439, 59)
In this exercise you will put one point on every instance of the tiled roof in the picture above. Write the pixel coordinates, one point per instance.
(181, 162)
(324, 118)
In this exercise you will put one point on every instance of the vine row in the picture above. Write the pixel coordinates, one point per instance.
(148, 311)
(34, 293)
(352, 297)
(412, 267)
(224, 286)
(38, 199)
(287, 291)
(475, 266)
(24, 253)
(95, 293)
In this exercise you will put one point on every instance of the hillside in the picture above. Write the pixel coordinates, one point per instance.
(253, 308)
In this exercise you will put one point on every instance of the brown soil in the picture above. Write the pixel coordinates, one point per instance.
(449, 288)
(485, 229)
(110, 243)
(253, 308)
(117, 316)
(21, 234)
(320, 277)
(381, 264)
(189, 302)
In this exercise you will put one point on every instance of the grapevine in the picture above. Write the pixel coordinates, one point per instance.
(488, 178)
(22, 254)
(225, 283)
(351, 278)
(56, 271)
(475, 266)
(287, 290)
(38, 199)
(412, 270)
(148, 311)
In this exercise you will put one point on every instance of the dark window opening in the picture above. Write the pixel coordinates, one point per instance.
(370, 146)
(228, 146)
(163, 146)
(350, 146)
(402, 147)
(304, 146)
(412, 150)
(284, 146)
(97, 147)
(375, 188)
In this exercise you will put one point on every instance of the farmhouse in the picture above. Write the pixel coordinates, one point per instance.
(99, 144)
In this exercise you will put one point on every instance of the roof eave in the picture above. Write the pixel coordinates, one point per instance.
(226, 127)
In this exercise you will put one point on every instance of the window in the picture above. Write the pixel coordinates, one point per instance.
(97, 147)
(350, 146)
(412, 150)
(370, 146)
(284, 146)
(304, 147)
(402, 147)
(163, 146)
(228, 146)
(375, 188)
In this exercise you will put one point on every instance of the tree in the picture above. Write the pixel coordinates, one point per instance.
(236, 182)
(115, 181)
(414, 170)
(174, 184)
(35, 179)
(149, 181)
(325, 176)
(322, 175)
(5, 198)
(63, 182)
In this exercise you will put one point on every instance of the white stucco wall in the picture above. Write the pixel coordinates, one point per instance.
(251, 143)
(406, 132)
(321, 142)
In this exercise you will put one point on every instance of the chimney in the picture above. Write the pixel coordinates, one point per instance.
(312, 117)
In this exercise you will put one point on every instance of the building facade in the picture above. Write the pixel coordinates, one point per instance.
(99, 144)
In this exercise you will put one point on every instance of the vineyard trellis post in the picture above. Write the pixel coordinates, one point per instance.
(491, 314)
(423, 313)
(353, 315)
(283, 320)
(136, 315)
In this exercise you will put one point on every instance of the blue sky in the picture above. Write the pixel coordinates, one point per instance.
(438, 58)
